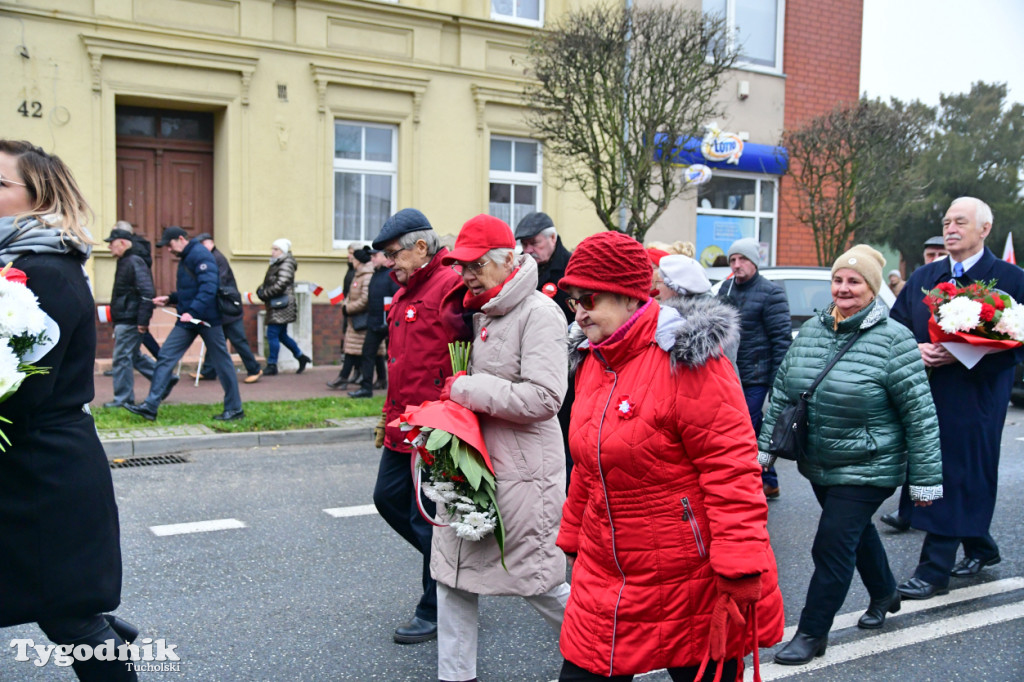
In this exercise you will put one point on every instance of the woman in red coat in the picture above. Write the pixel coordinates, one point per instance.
(665, 519)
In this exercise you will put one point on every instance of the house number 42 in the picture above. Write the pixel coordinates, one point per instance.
(31, 109)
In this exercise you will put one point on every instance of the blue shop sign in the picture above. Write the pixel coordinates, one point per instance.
(756, 158)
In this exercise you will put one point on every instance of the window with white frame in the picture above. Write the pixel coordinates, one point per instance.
(520, 11)
(736, 206)
(365, 179)
(755, 29)
(515, 178)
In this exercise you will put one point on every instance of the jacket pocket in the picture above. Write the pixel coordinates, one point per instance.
(691, 518)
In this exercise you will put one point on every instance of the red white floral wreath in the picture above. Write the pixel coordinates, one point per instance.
(625, 407)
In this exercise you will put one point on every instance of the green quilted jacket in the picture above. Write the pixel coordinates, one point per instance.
(871, 421)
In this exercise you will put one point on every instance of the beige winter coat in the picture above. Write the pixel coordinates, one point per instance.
(355, 305)
(516, 382)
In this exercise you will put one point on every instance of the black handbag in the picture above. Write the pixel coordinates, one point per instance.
(360, 322)
(278, 302)
(789, 437)
(229, 301)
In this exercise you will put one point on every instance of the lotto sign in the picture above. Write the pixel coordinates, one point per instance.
(696, 174)
(719, 146)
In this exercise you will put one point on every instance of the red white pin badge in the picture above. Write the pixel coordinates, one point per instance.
(410, 314)
(483, 334)
(549, 290)
(624, 406)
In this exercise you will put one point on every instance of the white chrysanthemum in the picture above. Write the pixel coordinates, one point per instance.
(464, 507)
(475, 525)
(10, 377)
(959, 315)
(446, 490)
(432, 493)
(1012, 323)
(19, 310)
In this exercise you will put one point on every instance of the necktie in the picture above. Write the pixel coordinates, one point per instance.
(958, 270)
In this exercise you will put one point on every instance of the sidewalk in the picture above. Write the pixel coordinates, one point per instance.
(157, 440)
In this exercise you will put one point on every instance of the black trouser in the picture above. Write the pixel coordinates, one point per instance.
(235, 333)
(374, 337)
(393, 495)
(92, 630)
(846, 539)
(938, 555)
(573, 673)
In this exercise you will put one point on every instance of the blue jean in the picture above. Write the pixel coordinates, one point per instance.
(755, 396)
(127, 356)
(178, 341)
(846, 539)
(276, 335)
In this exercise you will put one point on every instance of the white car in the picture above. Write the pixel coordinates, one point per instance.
(808, 290)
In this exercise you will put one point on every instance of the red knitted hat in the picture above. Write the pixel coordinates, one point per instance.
(610, 261)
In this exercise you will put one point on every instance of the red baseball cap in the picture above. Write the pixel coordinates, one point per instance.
(478, 236)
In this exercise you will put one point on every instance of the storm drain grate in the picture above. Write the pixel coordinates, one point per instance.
(152, 460)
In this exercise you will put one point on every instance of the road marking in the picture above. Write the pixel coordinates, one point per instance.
(359, 510)
(894, 639)
(196, 527)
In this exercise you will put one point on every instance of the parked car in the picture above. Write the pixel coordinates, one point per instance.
(807, 289)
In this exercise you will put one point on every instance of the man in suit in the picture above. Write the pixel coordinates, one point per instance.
(971, 405)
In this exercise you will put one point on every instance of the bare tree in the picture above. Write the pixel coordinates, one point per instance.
(854, 171)
(615, 91)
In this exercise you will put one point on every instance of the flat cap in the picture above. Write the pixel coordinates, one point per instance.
(405, 221)
(204, 235)
(532, 224)
(935, 241)
(118, 234)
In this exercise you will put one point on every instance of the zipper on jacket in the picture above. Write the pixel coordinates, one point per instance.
(688, 515)
(608, 508)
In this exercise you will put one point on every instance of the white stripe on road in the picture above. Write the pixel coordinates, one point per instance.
(360, 510)
(894, 639)
(196, 527)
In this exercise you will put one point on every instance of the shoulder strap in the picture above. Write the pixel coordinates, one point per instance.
(807, 394)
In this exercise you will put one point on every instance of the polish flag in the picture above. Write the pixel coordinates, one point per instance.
(103, 312)
(317, 289)
(336, 295)
(1008, 255)
(387, 303)
(249, 297)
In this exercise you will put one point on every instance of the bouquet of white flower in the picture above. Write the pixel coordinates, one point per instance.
(26, 334)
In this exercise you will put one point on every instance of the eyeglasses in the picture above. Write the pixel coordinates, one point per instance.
(391, 255)
(473, 268)
(8, 181)
(587, 301)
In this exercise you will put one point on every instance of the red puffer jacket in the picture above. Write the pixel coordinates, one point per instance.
(665, 495)
(418, 358)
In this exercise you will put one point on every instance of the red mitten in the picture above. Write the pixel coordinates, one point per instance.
(735, 597)
(446, 390)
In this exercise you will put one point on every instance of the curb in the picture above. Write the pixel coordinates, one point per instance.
(139, 447)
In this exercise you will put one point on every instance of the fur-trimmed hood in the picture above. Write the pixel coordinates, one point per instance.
(691, 330)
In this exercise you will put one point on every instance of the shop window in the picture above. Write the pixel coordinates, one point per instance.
(519, 11)
(731, 207)
(515, 179)
(754, 28)
(365, 180)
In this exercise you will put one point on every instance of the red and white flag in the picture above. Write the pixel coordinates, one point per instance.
(1008, 250)
(336, 295)
(387, 303)
(317, 289)
(249, 297)
(103, 312)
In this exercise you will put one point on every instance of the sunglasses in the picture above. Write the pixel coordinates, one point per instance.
(587, 301)
(8, 181)
(473, 268)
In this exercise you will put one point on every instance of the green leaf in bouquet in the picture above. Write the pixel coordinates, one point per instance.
(487, 476)
(438, 439)
(499, 530)
(471, 468)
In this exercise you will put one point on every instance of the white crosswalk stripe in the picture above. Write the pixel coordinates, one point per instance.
(196, 527)
(359, 510)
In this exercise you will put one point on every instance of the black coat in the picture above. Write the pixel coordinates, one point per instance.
(280, 281)
(381, 286)
(131, 301)
(766, 329)
(548, 275)
(227, 281)
(59, 533)
(970, 403)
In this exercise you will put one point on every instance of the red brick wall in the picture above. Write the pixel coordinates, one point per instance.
(821, 60)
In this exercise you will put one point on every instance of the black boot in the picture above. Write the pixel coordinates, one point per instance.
(801, 649)
(338, 382)
(303, 361)
(123, 628)
(95, 670)
(270, 370)
(874, 617)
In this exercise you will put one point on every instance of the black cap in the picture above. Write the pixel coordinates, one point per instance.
(935, 241)
(532, 224)
(405, 221)
(204, 235)
(171, 233)
(118, 234)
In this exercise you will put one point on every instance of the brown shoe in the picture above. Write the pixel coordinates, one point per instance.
(771, 492)
(253, 378)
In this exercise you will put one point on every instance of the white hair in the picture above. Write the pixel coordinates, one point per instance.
(548, 232)
(409, 239)
(124, 225)
(498, 256)
(982, 211)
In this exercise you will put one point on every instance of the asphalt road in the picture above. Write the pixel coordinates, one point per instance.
(296, 593)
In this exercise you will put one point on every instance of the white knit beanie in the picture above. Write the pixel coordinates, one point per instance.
(684, 275)
(284, 244)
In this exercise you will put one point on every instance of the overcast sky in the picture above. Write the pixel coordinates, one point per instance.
(916, 49)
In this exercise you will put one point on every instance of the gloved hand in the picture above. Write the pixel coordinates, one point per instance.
(378, 432)
(446, 390)
(735, 597)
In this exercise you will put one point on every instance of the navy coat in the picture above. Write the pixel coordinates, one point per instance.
(971, 405)
(198, 281)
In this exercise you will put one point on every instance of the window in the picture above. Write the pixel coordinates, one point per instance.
(365, 179)
(755, 30)
(731, 207)
(515, 179)
(520, 11)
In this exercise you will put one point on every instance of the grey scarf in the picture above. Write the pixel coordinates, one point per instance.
(32, 236)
